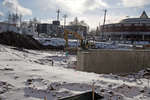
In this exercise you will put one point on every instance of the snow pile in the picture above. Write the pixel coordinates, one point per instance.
(97, 45)
(105, 45)
(57, 42)
(74, 43)
(112, 45)
(141, 42)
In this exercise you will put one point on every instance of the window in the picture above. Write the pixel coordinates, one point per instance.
(127, 24)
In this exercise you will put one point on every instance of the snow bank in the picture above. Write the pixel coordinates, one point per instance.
(57, 42)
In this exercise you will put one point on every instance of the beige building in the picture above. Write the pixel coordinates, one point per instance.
(137, 29)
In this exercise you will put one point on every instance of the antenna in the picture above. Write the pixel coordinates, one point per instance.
(58, 12)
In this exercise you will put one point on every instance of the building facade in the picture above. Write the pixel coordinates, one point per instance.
(57, 30)
(80, 29)
(5, 27)
(54, 29)
(28, 28)
(137, 29)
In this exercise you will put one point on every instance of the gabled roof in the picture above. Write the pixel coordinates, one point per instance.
(144, 15)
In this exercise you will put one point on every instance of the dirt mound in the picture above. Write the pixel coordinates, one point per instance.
(56, 48)
(24, 41)
(19, 40)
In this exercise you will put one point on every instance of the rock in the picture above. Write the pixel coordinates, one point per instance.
(51, 88)
(110, 92)
(142, 91)
(102, 90)
(9, 69)
(29, 81)
(110, 85)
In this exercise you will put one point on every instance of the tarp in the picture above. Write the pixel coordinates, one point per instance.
(84, 96)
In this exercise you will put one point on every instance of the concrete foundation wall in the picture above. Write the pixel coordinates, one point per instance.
(113, 61)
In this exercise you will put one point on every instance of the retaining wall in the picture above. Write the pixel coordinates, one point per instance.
(113, 61)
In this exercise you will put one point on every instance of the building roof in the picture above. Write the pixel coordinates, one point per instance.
(144, 15)
(143, 19)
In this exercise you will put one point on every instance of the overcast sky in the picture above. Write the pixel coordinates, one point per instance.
(91, 11)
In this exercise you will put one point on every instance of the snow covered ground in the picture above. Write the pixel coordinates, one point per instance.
(30, 75)
(98, 45)
(58, 42)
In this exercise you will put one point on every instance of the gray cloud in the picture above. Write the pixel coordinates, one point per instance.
(134, 3)
(13, 6)
(72, 6)
(1, 14)
(95, 4)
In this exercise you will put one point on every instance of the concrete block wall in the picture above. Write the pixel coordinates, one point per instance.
(113, 61)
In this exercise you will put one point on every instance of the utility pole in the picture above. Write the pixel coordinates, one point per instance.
(105, 11)
(65, 17)
(58, 12)
(20, 19)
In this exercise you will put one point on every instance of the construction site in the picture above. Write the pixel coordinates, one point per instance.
(67, 50)
(124, 58)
